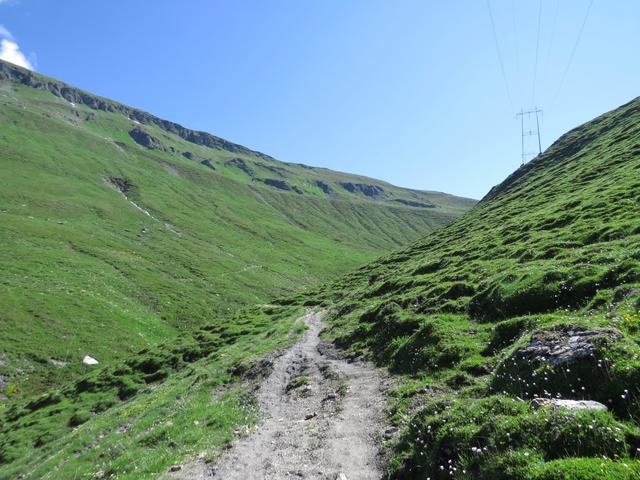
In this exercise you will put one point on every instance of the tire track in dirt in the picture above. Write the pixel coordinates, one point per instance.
(322, 420)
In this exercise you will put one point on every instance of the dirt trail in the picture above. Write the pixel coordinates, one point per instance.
(322, 419)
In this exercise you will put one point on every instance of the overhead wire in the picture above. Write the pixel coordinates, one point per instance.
(538, 67)
(573, 53)
(495, 38)
(552, 37)
(553, 31)
(515, 35)
(535, 68)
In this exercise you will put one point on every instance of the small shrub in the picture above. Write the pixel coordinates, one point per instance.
(507, 332)
(44, 401)
(586, 469)
(297, 382)
(78, 418)
(500, 438)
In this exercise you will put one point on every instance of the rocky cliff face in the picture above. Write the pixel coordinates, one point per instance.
(23, 76)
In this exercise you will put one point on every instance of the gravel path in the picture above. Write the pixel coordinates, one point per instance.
(322, 419)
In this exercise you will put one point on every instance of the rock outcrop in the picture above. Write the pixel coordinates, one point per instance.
(324, 187)
(207, 163)
(23, 76)
(573, 362)
(366, 189)
(566, 344)
(146, 140)
(242, 165)
(281, 185)
(558, 403)
(123, 185)
(413, 203)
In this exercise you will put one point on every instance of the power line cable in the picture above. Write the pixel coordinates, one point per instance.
(553, 31)
(516, 46)
(515, 34)
(535, 68)
(495, 38)
(573, 53)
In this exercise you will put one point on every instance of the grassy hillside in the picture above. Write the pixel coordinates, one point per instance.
(534, 293)
(191, 396)
(119, 229)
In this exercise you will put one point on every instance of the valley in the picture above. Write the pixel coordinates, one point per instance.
(121, 230)
(504, 344)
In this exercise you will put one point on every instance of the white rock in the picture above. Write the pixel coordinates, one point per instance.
(87, 360)
(569, 404)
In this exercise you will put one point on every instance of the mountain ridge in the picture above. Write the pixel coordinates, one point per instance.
(531, 297)
(15, 73)
(512, 334)
(76, 95)
(118, 234)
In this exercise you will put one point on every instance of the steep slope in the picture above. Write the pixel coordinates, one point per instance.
(534, 294)
(119, 229)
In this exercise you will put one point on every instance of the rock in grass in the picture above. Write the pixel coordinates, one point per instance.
(141, 137)
(557, 403)
(88, 360)
(572, 361)
(567, 344)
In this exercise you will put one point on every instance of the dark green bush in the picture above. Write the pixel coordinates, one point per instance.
(78, 418)
(507, 332)
(504, 438)
(585, 469)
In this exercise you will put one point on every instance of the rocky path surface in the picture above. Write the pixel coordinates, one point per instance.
(322, 419)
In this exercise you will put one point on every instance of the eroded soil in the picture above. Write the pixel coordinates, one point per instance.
(322, 419)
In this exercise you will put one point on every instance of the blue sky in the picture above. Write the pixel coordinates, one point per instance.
(409, 91)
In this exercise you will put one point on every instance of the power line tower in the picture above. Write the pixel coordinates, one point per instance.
(529, 132)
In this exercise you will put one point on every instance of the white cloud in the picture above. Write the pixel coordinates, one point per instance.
(4, 32)
(10, 50)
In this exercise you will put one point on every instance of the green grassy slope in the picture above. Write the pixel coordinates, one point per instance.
(553, 249)
(136, 418)
(550, 256)
(119, 229)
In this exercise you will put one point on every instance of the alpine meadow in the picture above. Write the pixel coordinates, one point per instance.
(139, 229)
(177, 306)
